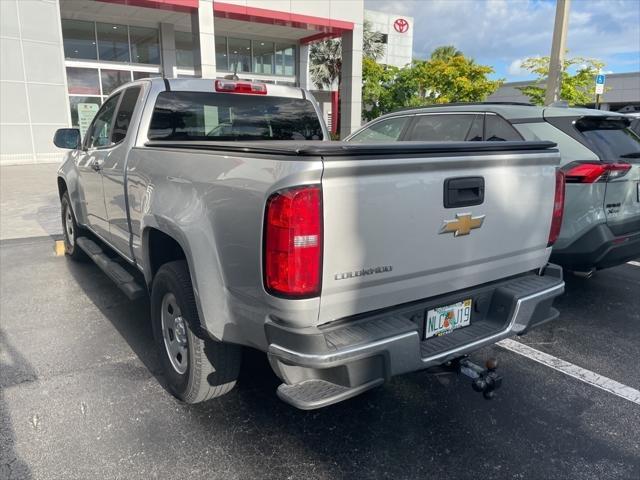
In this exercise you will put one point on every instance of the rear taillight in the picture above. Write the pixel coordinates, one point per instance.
(558, 208)
(293, 242)
(591, 172)
(230, 86)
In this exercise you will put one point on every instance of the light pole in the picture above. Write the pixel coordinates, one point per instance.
(557, 52)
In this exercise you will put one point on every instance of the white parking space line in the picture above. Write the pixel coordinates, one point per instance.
(572, 370)
(634, 263)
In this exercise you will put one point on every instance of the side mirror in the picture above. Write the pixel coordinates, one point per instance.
(67, 138)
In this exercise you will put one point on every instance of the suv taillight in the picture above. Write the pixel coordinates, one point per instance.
(591, 172)
(293, 242)
(558, 209)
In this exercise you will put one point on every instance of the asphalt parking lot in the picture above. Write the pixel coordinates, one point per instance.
(81, 393)
(82, 397)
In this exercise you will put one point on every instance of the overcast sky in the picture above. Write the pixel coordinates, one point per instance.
(501, 33)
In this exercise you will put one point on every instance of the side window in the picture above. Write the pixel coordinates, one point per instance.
(441, 128)
(498, 129)
(384, 131)
(125, 112)
(99, 132)
(475, 132)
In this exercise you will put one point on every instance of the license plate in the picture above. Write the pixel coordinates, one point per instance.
(443, 320)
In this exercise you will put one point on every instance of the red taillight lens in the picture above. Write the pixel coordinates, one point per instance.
(230, 86)
(590, 172)
(558, 208)
(293, 242)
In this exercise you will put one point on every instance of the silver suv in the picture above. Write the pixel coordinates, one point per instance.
(600, 158)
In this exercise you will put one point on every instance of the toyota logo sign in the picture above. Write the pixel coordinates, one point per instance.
(401, 25)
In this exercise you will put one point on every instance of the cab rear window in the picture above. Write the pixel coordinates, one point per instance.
(611, 138)
(185, 116)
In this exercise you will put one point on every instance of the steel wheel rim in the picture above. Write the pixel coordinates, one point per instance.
(174, 333)
(68, 226)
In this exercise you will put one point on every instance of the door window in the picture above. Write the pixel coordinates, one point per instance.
(441, 128)
(388, 130)
(125, 112)
(475, 132)
(497, 129)
(99, 132)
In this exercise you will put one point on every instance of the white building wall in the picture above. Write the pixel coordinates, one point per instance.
(399, 49)
(33, 98)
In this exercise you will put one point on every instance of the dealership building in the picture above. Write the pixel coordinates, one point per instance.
(61, 58)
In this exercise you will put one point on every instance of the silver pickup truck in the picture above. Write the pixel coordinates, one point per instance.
(346, 263)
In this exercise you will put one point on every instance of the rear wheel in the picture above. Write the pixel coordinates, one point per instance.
(70, 230)
(196, 368)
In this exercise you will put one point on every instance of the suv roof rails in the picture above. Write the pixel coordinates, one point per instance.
(459, 104)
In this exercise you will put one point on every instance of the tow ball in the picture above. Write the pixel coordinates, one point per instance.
(484, 380)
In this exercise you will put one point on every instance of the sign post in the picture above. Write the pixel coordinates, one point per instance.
(600, 79)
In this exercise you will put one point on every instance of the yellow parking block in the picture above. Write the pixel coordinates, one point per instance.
(58, 247)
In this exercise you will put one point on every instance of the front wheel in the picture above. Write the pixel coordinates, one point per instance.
(196, 368)
(70, 230)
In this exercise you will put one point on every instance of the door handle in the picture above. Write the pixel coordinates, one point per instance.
(463, 192)
(97, 166)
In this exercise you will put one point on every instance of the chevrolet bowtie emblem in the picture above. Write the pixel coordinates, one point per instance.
(462, 225)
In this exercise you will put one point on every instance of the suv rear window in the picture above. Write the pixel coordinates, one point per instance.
(611, 138)
(227, 116)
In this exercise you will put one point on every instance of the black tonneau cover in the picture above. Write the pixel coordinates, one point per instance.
(340, 149)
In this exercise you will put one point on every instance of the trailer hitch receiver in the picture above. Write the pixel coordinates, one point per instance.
(484, 380)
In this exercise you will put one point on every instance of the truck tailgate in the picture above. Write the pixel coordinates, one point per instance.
(386, 236)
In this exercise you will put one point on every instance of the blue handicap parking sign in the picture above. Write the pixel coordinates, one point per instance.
(600, 80)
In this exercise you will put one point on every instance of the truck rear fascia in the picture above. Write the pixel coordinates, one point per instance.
(344, 358)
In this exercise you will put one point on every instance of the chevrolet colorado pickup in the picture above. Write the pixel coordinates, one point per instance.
(346, 263)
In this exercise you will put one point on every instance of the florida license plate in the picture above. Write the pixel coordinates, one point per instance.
(443, 320)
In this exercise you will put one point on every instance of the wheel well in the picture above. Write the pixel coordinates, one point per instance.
(162, 249)
(62, 186)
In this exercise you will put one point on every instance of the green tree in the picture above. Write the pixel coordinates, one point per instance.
(576, 88)
(447, 77)
(378, 88)
(455, 79)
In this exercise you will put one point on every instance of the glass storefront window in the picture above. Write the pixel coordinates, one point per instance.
(222, 61)
(73, 105)
(185, 49)
(139, 75)
(83, 81)
(79, 39)
(112, 79)
(285, 60)
(263, 57)
(113, 42)
(239, 55)
(145, 46)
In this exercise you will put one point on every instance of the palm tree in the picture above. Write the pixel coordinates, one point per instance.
(372, 46)
(325, 62)
(445, 52)
(325, 58)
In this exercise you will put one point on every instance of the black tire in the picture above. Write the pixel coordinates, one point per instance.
(71, 231)
(212, 367)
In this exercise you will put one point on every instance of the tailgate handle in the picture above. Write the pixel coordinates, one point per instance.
(463, 192)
